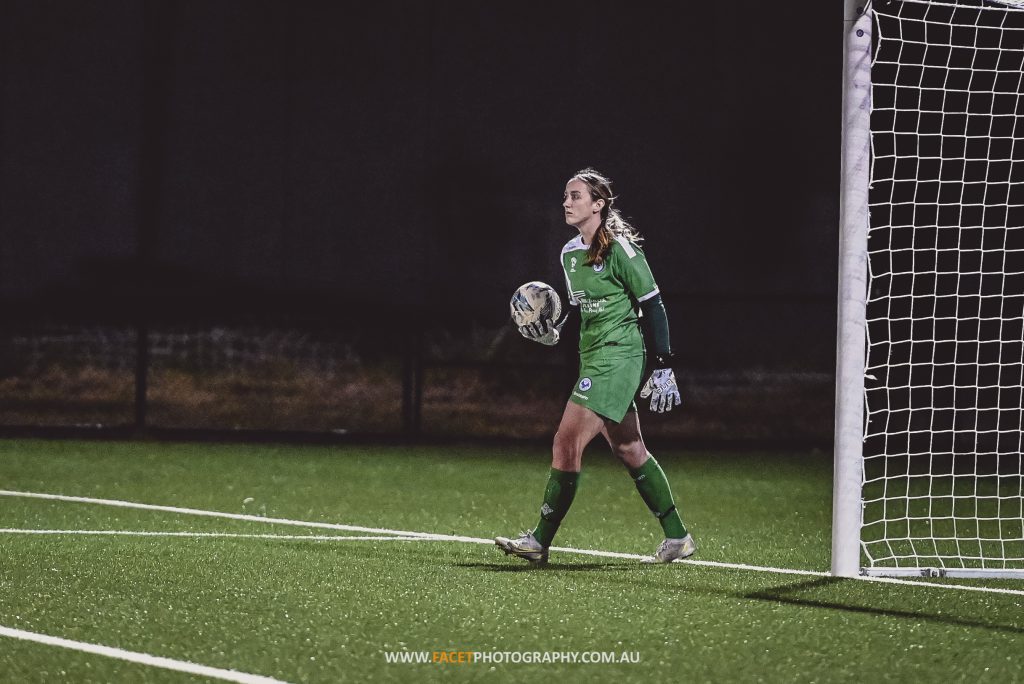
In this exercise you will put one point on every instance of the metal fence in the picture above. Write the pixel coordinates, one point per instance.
(283, 379)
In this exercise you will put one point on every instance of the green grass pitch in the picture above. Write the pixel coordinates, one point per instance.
(330, 611)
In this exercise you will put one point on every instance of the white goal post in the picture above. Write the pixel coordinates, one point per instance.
(930, 346)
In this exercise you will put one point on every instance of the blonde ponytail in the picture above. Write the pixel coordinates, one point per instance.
(612, 223)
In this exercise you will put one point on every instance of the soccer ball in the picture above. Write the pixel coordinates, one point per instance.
(533, 301)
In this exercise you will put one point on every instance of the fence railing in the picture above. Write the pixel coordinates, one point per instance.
(419, 383)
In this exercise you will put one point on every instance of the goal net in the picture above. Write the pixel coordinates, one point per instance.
(942, 488)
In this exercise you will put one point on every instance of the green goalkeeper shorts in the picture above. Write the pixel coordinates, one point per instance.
(608, 383)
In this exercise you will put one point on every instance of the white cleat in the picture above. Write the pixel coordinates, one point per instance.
(525, 546)
(673, 549)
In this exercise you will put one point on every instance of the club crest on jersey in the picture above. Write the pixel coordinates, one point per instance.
(598, 267)
(585, 384)
(572, 265)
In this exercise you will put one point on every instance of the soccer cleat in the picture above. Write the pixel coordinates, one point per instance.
(672, 549)
(525, 546)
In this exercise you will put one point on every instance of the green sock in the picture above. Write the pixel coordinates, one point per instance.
(558, 496)
(653, 486)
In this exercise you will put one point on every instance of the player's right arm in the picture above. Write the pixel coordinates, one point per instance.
(545, 331)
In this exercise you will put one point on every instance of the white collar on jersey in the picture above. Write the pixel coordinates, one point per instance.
(574, 244)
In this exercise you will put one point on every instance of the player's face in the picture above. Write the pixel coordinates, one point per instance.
(578, 205)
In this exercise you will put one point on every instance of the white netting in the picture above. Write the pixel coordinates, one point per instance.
(944, 390)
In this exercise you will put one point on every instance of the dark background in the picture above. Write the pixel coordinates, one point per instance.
(361, 167)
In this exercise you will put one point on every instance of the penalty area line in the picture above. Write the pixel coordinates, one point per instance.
(478, 540)
(140, 658)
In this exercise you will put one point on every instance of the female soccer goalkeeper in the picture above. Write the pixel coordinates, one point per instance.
(609, 280)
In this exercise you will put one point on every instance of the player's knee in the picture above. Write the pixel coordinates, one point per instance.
(632, 454)
(565, 452)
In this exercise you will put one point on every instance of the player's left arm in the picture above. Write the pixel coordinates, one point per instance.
(661, 386)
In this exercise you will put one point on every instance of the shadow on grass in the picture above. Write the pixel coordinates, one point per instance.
(548, 567)
(789, 594)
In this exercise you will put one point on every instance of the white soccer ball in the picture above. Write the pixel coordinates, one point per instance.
(533, 301)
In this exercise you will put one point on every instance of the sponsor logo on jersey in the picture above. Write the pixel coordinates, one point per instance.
(585, 384)
(588, 305)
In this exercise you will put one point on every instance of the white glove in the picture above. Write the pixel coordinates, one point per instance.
(662, 389)
(543, 331)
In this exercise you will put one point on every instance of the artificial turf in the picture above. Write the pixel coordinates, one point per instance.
(327, 611)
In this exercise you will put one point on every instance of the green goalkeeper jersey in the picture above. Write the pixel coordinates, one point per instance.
(609, 294)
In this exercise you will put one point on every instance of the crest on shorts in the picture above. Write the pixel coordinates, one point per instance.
(585, 384)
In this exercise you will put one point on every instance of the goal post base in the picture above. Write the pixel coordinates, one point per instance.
(967, 573)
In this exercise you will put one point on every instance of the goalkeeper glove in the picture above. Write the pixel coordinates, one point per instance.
(544, 331)
(661, 387)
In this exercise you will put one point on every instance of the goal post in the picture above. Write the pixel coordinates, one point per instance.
(853, 210)
(929, 428)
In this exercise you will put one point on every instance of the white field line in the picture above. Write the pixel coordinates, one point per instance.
(213, 535)
(478, 540)
(141, 658)
(242, 516)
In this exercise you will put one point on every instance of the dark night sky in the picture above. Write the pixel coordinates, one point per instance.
(402, 150)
